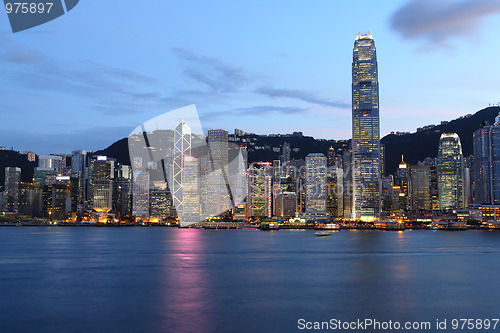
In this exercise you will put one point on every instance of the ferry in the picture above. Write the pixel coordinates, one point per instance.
(492, 225)
(448, 225)
(390, 225)
(269, 225)
(328, 226)
(322, 233)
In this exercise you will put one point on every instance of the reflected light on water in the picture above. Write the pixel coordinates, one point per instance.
(187, 300)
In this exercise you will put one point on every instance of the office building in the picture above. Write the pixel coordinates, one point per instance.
(315, 183)
(366, 173)
(451, 173)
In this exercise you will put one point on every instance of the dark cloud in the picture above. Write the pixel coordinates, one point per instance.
(437, 22)
(301, 95)
(213, 73)
(256, 111)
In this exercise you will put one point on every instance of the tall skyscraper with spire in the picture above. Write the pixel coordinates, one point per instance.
(366, 176)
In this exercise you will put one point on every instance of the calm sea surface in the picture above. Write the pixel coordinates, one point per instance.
(186, 280)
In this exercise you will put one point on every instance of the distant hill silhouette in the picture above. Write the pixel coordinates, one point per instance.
(417, 146)
(414, 146)
(9, 158)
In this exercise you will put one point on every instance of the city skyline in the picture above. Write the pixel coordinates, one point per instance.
(98, 86)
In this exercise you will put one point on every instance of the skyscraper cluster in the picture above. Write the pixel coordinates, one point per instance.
(189, 177)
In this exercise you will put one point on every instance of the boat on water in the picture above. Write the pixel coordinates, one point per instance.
(448, 225)
(269, 225)
(390, 225)
(322, 233)
(328, 226)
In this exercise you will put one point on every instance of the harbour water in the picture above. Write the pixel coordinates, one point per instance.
(63, 279)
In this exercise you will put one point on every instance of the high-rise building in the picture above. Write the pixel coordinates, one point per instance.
(101, 175)
(218, 199)
(182, 148)
(286, 204)
(160, 204)
(347, 168)
(420, 188)
(55, 162)
(403, 182)
(11, 193)
(331, 157)
(335, 191)
(487, 164)
(124, 191)
(260, 190)
(451, 173)
(140, 194)
(191, 185)
(316, 183)
(286, 153)
(78, 162)
(366, 175)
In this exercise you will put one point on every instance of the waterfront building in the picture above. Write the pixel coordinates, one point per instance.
(451, 173)
(192, 212)
(260, 190)
(347, 169)
(30, 199)
(161, 204)
(335, 192)
(315, 183)
(403, 182)
(286, 204)
(11, 192)
(124, 191)
(366, 173)
(182, 148)
(420, 188)
(101, 176)
(218, 199)
(486, 175)
(61, 201)
(140, 194)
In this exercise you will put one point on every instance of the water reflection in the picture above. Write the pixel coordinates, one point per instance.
(187, 295)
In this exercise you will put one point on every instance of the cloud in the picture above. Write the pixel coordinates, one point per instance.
(437, 22)
(109, 89)
(256, 111)
(301, 95)
(213, 73)
(15, 53)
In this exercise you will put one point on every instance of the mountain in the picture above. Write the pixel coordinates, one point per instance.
(10, 158)
(414, 146)
(424, 143)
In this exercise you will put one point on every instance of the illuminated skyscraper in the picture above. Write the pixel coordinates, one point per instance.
(450, 169)
(182, 148)
(259, 190)
(140, 194)
(316, 183)
(366, 180)
(487, 164)
(191, 192)
(11, 193)
(218, 200)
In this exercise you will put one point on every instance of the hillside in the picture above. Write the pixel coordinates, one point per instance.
(414, 146)
(9, 158)
(417, 146)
